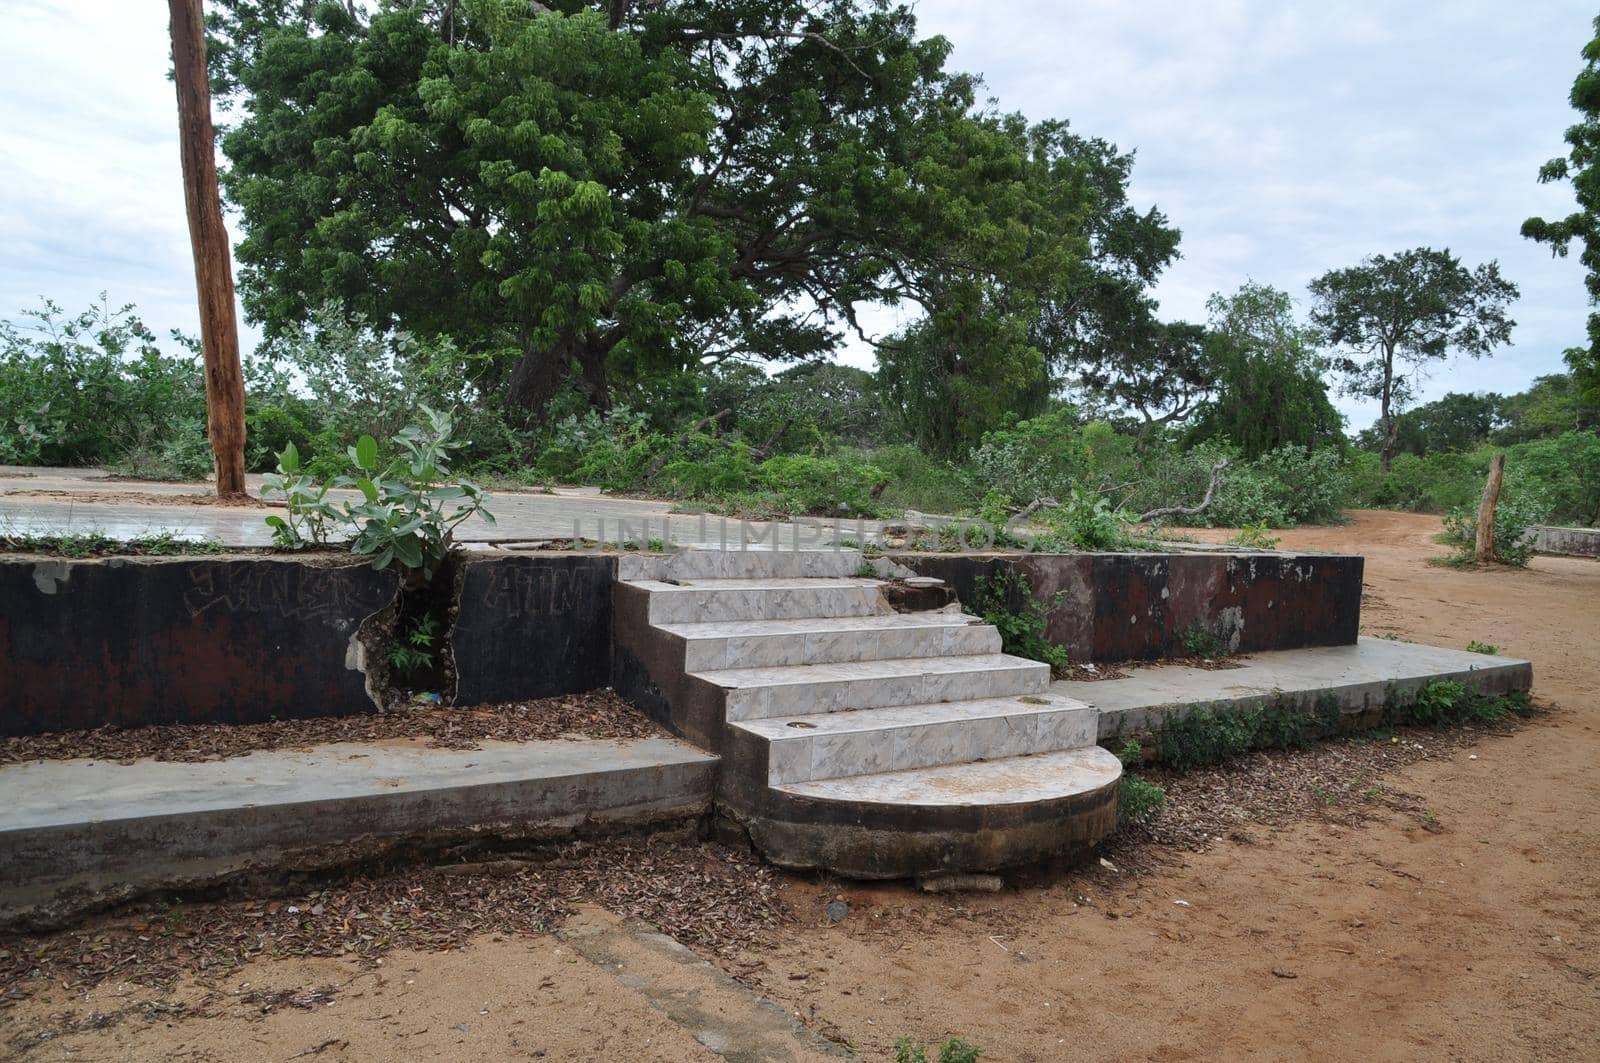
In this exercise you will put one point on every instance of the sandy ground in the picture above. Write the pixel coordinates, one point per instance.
(1476, 940)
(1480, 941)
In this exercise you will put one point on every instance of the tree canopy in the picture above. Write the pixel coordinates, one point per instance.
(584, 192)
(1394, 314)
(1582, 225)
(1269, 375)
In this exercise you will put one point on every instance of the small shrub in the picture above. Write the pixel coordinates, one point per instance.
(1007, 601)
(1489, 648)
(1205, 737)
(823, 485)
(1139, 801)
(952, 1050)
(1255, 537)
(1513, 514)
(1085, 521)
(408, 511)
(1199, 641)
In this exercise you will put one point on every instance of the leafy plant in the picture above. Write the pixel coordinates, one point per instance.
(1255, 537)
(1198, 640)
(1489, 648)
(1085, 521)
(408, 510)
(414, 651)
(952, 1050)
(1447, 702)
(1139, 801)
(311, 514)
(1512, 516)
(1007, 601)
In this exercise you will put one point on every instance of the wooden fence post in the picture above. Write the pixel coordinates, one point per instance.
(1484, 551)
(213, 264)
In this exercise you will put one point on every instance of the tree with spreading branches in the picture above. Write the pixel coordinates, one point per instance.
(1392, 315)
(579, 193)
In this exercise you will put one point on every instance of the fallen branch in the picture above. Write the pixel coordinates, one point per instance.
(762, 452)
(1044, 502)
(1189, 511)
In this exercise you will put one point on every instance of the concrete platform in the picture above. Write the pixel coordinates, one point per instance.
(1359, 677)
(1568, 542)
(79, 834)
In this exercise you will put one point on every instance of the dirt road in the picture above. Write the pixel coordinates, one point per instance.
(1478, 938)
(1480, 941)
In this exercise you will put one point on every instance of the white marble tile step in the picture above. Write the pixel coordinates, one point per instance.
(1012, 781)
(704, 600)
(831, 640)
(830, 745)
(739, 564)
(794, 690)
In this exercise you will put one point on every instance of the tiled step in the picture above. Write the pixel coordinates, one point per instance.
(707, 600)
(829, 745)
(1012, 781)
(795, 690)
(740, 564)
(831, 640)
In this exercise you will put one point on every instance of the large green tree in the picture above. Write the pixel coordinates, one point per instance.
(590, 191)
(1270, 386)
(1071, 308)
(1394, 314)
(1581, 166)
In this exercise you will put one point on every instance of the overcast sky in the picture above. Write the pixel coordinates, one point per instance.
(1284, 138)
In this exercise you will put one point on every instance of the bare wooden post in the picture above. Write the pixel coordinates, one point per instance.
(1484, 551)
(213, 264)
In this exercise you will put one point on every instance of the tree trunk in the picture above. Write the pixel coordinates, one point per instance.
(213, 264)
(1484, 551)
(1391, 431)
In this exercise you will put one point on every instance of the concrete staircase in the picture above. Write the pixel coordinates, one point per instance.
(859, 733)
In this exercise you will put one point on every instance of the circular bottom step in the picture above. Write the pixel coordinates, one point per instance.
(979, 816)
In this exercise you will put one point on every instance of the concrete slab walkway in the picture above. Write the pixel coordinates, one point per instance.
(77, 833)
(1358, 676)
(51, 501)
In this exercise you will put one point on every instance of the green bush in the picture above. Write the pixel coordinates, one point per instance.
(1085, 521)
(923, 483)
(806, 484)
(1436, 483)
(1139, 801)
(1512, 515)
(952, 1050)
(1006, 600)
(95, 389)
(1564, 471)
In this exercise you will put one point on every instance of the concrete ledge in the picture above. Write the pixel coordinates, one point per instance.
(1359, 679)
(1573, 542)
(75, 835)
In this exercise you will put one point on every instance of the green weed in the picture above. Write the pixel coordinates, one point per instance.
(1139, 801)
(952, 1050)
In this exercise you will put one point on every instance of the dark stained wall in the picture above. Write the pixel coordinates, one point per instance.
(1119, 607)
(532, 625)
(131, 641)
